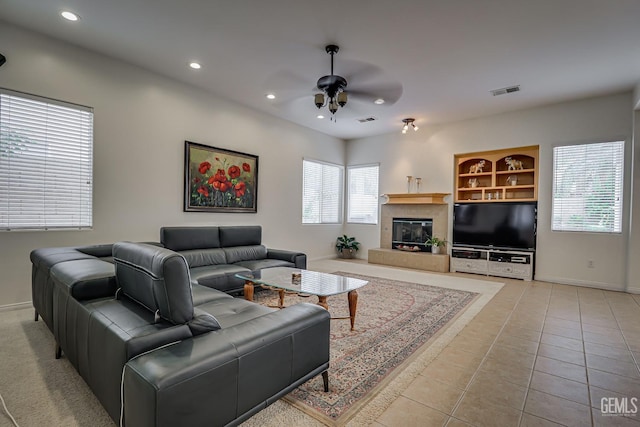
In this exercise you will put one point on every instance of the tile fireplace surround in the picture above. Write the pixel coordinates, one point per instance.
(406, 207)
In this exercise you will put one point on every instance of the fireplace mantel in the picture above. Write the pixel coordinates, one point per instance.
(416, 199)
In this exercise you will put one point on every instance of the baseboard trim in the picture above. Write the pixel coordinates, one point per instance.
(635, 291)
(16, 306)
(583, 283)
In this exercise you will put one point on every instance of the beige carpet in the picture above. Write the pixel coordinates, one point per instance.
(40, 390)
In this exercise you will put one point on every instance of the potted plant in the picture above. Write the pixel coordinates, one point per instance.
(435, 244)
(347, 246)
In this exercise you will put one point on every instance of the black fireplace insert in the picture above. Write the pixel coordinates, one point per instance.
(409, 234)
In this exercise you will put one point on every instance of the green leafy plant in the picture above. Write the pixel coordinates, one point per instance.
(346, 242)
(434, 241)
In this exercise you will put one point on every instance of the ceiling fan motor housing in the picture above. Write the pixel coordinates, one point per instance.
(332, 85)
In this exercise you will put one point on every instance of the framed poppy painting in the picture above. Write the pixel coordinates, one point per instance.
(219, 180)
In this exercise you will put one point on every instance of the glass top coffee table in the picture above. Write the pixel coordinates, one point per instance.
(286, 279)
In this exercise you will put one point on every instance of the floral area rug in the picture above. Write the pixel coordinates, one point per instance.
(393, 320)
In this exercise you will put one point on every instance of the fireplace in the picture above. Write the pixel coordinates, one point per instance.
(409, 234)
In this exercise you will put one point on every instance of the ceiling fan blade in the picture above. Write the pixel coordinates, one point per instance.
(390, 92)
(357, 71)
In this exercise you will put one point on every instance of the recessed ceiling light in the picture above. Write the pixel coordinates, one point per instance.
(195, 65)
(70, 16)
(379, 101)
(270, 96)
(320, 116)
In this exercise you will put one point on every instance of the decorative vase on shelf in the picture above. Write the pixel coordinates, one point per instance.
(418, 182)
(409, 181)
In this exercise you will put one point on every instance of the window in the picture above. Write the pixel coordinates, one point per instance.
(363, 194)
(587, 187)
(46, 163)
(321, 192)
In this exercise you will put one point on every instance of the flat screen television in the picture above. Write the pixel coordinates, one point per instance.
(495, 225)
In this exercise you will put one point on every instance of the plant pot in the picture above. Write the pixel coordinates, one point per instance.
(435, 249)
(347, 253)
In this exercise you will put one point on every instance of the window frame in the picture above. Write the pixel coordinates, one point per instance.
(340, 213)
(44, 141)
(621, 182)
(348, 194)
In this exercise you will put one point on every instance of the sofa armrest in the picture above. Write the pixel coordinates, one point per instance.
(227, 375)
(298, 258)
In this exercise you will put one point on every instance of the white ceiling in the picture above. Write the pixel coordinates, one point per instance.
(445, 55)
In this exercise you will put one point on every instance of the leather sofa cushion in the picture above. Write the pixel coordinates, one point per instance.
(185, 238)
(202, 294)
(85, 279)
(156, 278)
(220, 277)
(247, 235)
(200, 257)
(245, 253)
(47, 257)
(258, 264)
(234, 311)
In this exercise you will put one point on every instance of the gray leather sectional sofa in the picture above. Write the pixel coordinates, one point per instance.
(159, 349)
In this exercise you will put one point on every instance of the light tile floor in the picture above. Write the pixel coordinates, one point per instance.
(538, 354)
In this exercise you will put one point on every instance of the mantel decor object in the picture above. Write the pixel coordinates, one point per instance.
(219, 180)
(418, 183)
(409, 181)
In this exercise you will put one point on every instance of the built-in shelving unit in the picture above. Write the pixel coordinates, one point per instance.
(487, 176)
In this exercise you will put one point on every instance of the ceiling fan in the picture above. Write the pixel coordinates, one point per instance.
(360, 84)
(331, 85)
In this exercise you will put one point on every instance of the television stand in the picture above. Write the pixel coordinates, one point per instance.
(493, 262)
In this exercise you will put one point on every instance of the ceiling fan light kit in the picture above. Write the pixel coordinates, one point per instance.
(332, 87)
(409, 122)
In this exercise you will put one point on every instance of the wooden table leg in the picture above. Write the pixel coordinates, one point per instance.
(322, 302)
(248, 290)
(281, 298)
(325, 380)
(353, 305)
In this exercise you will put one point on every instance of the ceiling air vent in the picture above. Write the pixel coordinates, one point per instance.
(367, 119)
(505, 90)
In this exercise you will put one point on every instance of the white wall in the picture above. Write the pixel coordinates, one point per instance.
(141, 122)
(428, 153)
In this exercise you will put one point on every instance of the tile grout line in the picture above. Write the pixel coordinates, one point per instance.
(584, 354)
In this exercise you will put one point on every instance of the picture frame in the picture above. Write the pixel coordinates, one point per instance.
(219, 180)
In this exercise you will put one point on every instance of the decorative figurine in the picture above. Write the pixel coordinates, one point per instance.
(477, 168)
(513, 164)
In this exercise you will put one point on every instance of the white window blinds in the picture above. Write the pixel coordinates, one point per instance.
(321, 192)
(587, 187)
(363, 194)
(46, 163)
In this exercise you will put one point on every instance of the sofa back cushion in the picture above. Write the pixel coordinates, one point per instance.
(245, 253)
(240, 235)
(187, 238)
(156, 278)
(202, 257)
